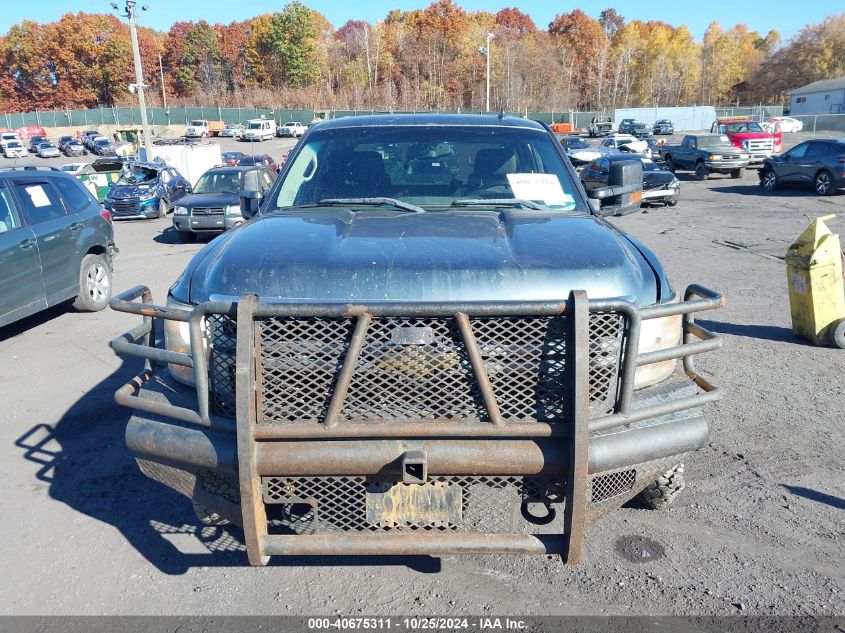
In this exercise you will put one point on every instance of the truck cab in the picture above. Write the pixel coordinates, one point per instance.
(748, 135)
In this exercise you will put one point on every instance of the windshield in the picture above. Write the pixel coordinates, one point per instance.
(138, 176)
(713, 142)
(429, 166)
(102, 141)
(577, 143)
(649, 165)
(14, 144)
(198, 123)
(744, 126)
(219, 182)
(255, 126)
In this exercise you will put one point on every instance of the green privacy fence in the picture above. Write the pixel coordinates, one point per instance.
(182, 116)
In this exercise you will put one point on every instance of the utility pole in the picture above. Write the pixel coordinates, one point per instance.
(139, 73)
(161, 75)
(486, 51)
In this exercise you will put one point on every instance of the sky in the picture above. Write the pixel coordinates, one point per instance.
(787, 16)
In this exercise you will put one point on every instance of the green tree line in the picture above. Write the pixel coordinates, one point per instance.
(419, 59)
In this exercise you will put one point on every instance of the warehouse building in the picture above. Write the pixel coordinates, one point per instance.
(820, 97)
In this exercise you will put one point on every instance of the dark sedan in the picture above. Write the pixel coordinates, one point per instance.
(640, 130)
(820, 163)
(231, 158)
(663, 126)
(262, 160)
(35, 142)
(659, 185)
(214, 204)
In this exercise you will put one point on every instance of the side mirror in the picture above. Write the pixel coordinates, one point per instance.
(250, 203)
(625, 190)
(188, 188)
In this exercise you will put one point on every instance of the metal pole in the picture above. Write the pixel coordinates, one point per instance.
(487, 50)
(139, 77)
(161, 74)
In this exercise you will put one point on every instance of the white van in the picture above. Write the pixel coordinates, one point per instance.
(259, 130)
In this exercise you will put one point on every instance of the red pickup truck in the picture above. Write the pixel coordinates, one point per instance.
(748, 135)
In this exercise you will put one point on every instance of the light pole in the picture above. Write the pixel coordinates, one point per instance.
(139, 72)
(486, 51)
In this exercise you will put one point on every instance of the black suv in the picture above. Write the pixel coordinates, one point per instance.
(819, 162)
(56, 243)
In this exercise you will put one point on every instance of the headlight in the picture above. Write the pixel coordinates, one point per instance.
(233, 209)
(715, 157)
(177, 338)
(180, 210)
(657, 334)
(743, 156)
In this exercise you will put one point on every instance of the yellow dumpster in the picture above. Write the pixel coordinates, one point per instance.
(816, 291)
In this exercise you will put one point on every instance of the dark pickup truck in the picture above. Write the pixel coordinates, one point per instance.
(705, 154)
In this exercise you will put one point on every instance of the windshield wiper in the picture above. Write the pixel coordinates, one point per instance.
(375, 202)
(499, 202)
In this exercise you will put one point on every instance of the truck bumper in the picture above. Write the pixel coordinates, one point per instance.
(415, 487)
(725, 166)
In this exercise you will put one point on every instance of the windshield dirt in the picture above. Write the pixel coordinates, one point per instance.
(429, 166)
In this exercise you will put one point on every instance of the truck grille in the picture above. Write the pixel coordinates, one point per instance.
(125, 206)
(760, 146)
(415, 369)
(207, 211)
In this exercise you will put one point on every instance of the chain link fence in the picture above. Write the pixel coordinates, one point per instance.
(131, 117)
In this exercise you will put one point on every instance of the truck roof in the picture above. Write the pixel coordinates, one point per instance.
(485, 120)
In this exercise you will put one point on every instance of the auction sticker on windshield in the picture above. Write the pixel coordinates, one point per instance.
(542, 188)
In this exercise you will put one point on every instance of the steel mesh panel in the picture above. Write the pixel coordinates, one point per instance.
(606, 330)
(222, 334)
(412, 382)
(645, 473)
(298, 361)
(525, 359)
(606, 486)
(317, 505)
(222, 485)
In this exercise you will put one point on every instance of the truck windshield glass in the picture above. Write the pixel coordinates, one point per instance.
(198, 123)
(705, 142)
(219, 182)
(744, 126)
(429, 166)
(255, 126)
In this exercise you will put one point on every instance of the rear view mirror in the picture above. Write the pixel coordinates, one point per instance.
(625, 192)
(250, 203)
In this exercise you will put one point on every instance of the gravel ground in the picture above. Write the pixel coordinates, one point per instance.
(758, 530)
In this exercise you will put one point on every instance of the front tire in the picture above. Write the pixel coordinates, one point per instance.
(94, 284)
(737, 173)
(670, 164)
(660, 494)
(769, 179)
(701, 171)
(823, 183)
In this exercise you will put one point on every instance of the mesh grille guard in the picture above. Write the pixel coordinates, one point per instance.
(327, 403)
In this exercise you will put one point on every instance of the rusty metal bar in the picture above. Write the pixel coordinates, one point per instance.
(125, 302)
(446, 309)
(252, 504)
(578, 448)
(425, 544)
(655, 411)
(478, 369)
(309, 458)
(434, 428)
(350, 361)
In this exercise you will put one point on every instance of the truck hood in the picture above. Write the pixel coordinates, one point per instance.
(744, 136)
(377, 256)
(209, 200)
